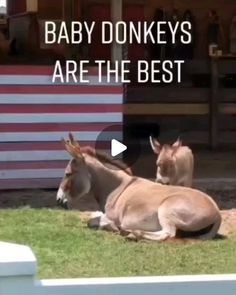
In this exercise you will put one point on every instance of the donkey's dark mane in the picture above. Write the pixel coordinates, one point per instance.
(105, 158)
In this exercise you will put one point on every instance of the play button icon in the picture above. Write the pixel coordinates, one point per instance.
(117, 148)
(119, 144)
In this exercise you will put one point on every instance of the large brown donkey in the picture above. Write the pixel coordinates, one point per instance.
(134, 205)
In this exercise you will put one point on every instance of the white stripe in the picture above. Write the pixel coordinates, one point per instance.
(61, 99)
(65, 118)
(47, 80)
(25, 174)
(17, 156)
(56, 136)
(119, 282)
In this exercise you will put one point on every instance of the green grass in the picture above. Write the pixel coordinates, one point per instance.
(65, 248)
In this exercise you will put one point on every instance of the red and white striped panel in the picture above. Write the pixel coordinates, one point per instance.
(35, 114)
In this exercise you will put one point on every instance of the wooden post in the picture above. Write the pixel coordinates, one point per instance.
(213, 103)
(68, 15)
(32, 5)
(116, 15)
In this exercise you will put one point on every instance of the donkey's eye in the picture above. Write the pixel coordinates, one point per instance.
(68, 174)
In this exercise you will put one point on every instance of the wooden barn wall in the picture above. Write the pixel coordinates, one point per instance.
(53, 9)
(50, 9)
(16, 6)
(225, 8)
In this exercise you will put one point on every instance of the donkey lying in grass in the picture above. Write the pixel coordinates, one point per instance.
(136, 206)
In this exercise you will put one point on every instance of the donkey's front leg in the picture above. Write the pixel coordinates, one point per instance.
(100, 221)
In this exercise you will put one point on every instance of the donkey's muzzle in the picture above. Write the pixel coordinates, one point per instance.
(63, 203)
(162, 182)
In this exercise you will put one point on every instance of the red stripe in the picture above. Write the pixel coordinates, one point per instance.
(56, 127)
(60, 89)
(47, 146)
(73, 108)
(13, 184)
(26, 70)
(38, 70)
(33, 165)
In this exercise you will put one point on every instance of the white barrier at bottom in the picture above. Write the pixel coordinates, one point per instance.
(18, 268)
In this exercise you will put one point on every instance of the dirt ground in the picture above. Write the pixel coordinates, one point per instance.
(223, 193)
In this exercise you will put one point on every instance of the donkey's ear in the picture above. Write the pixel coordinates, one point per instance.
(64, 142)
(73, 141)
(71, 137)
(156, 146)
(71, 149)
(177, 145)
(68, 147)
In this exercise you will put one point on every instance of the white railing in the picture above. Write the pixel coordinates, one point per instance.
(18, 268)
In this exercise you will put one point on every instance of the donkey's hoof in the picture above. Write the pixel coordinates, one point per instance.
(94, 223)
(131, 237)
(134, 236)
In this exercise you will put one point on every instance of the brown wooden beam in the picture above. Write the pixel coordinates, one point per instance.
(163, 109)
(213, 104)
(167, 109)
(227, 108)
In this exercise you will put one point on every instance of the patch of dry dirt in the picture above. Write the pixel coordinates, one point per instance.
(228, 225)
(28, 198)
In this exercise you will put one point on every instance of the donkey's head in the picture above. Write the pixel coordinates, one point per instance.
(76, 182)
(166, 160)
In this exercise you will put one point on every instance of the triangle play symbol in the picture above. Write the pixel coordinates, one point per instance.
(117, 148)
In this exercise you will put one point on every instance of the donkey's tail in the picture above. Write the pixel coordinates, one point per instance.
(212, 233)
